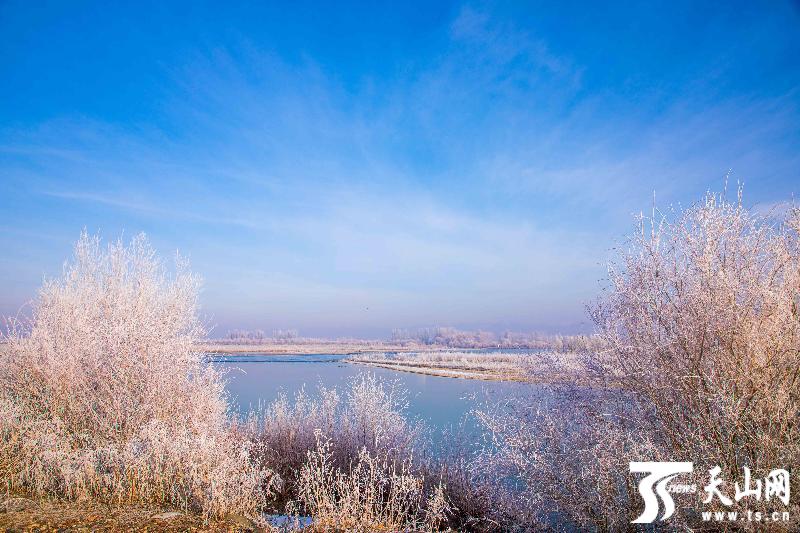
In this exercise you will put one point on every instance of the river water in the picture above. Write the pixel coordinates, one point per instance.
(440, 402)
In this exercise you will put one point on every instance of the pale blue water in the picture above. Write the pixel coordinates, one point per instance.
(439, 402)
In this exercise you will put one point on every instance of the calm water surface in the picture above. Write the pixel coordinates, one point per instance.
(439, 402)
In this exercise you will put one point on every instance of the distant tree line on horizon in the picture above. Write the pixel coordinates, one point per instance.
(437, 336)
(259, 335)
(455, 338)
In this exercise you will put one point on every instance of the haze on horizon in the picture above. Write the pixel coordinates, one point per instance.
(346, 171)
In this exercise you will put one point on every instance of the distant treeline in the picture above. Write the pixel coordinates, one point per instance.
(240, 335)
(446, 337)
(455, 338)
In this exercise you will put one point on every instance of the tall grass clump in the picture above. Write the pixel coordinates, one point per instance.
(103, 396)
(368, 415)
(354, 460)
(371, 493)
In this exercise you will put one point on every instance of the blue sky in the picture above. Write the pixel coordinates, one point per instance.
(347, 168)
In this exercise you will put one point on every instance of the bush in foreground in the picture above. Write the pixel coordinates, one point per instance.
(566, 458)
(102, 395)
(701, 330)
(368, 415)
(354, 459)
(703, 326)
(372, 493)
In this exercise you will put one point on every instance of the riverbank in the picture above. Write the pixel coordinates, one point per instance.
(536, 367)
(486, 375)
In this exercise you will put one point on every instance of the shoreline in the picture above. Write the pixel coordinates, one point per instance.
(455, 373)
(429, 368)
(556, 379)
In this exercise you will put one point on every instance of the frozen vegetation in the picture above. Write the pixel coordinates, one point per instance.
(540, 366)
(424, 339)
(104, 395)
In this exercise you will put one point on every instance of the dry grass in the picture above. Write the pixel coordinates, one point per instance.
(373, 493)
(353, 460)
(86, 516)
(369, 414)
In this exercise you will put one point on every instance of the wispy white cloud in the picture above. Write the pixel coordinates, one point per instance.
(148, 208)
(481, 184)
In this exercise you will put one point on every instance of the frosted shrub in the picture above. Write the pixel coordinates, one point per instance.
(285, 433)
(577, 343)
(703, 325)
(103, 395)
(370, 494)
(374, 416)
(474, 497)
(450, 337)
(353, 460)
(565, 459)
(702, 331)
(370, 415)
